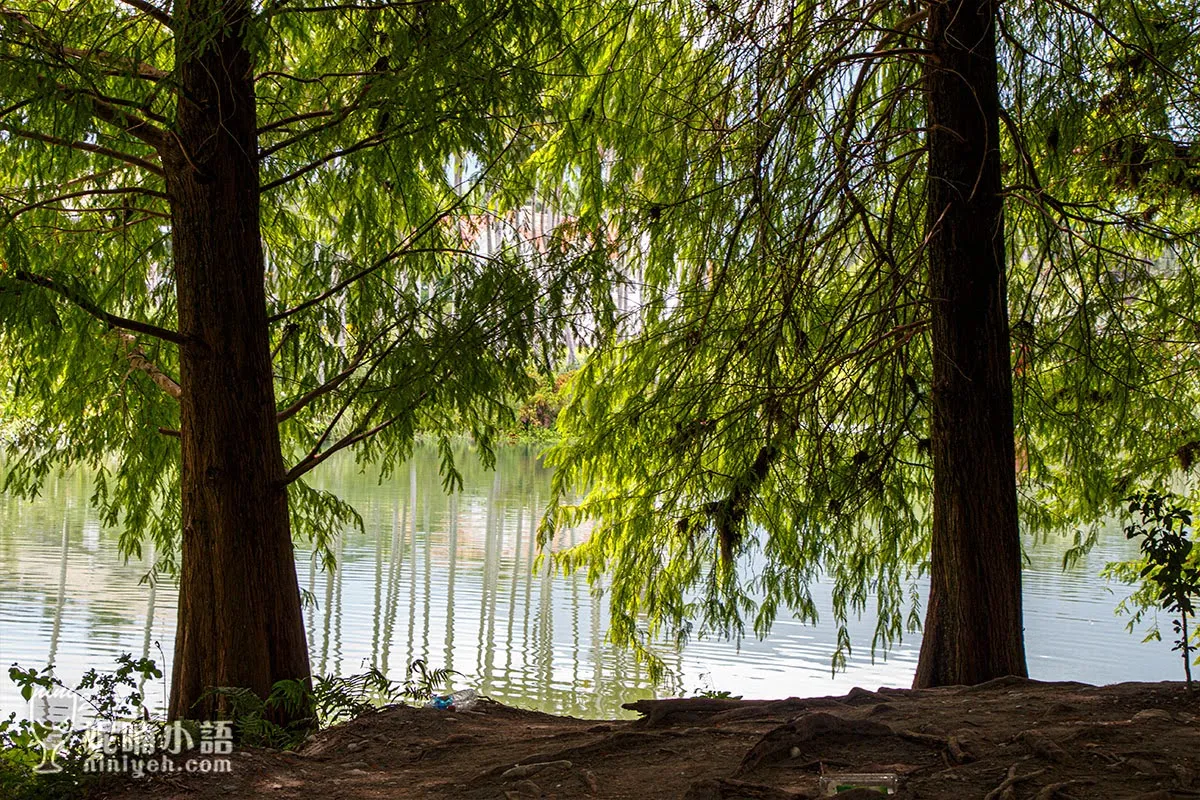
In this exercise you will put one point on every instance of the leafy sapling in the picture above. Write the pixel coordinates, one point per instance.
(1172, 576)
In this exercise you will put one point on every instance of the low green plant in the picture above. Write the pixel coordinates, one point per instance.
(538, 412)
(1168, 571)
(710, 692)
(421, 683)
(111, 697)
(251, 715)
(334, 699)
(114, 697)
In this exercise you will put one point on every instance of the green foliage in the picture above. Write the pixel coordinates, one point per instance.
(713, 694)
(1169, 570)
(397, 147)
(335, 699)
(754, 170)
(421, 683)
(766, 423)
(111, 696)
(115, 697)
(539, 410)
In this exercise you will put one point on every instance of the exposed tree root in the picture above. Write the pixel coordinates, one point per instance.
(778, 743)
(622, 741)
(728, 789)
(1051, 790)
(1042, 746)
(1005, 790)
(956, 753)
(683, 710)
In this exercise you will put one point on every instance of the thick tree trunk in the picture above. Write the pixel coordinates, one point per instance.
(240, 622)
(973, 626)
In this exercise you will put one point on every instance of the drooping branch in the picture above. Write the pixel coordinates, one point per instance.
(320, 391)
(126, 121)
(728, 515)
(82, 302)
(288, 333)
(313, 459)
(374, 140)
(338, 118)
(85, 193)
(315, 455)
(283, 8)
(396, 252)
(902, 27)
(154, 12)
(336, 380)
(292, 120)
(115, 65)
(331, 117)
(363, 144)
(93, 178)
(144, 215)
(39, 38)
(433, 374)
(87, 147)
(139, 361)
(1185, 82)
(379, 264)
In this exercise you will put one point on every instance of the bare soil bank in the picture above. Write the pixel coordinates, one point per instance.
(1010, 738)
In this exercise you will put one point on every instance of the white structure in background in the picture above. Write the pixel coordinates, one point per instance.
(530, 231)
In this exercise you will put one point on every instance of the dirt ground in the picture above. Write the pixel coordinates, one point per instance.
(1010, 739)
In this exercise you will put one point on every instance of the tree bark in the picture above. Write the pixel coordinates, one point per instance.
(240, 621)
(973, 629)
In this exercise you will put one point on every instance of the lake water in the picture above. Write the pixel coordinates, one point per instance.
(450, 580)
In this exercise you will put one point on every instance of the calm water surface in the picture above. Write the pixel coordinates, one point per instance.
(451, 580)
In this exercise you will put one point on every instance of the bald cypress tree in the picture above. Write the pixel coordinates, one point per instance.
(235, 245)
(973, 627)
(912, 276)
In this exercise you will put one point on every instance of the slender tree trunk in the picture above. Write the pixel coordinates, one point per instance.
(973, 626)
(240, 622)
(1187, 651)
